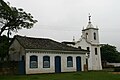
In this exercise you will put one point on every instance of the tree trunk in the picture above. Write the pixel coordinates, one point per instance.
(2, 30)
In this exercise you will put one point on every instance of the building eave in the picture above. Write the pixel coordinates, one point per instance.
(55, 51)
(93, 44)
(90, 28)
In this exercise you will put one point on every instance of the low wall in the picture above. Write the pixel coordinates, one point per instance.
(7, 68)
(115, 64)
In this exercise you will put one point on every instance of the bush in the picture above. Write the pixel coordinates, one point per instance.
(9, 67)
(117, 69)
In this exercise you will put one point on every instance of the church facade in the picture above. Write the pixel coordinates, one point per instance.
(90, 40)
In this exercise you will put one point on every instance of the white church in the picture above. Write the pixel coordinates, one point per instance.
(90, 40)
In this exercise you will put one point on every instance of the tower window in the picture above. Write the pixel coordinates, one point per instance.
(95, 51)
(94, 36)
(79, 47)
(86, 35)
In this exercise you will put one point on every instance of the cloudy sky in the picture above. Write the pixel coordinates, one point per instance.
(62, 19)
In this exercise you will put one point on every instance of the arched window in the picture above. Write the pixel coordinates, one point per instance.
(46, 62)
(86, 35)
(69, 61)
(94, 36)
(95, 51)
(79, 47)
(33, 61)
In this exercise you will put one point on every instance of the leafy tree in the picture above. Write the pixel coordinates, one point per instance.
(4, 45)
(13, 19)
(109, 53)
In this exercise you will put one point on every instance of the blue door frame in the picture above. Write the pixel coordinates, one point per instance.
(78, 63)
(21, 67)
(57, 64)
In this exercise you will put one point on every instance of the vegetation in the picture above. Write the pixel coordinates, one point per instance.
(65, 76)
(13, 19)
(110, 54)
(4, 45)
(117, 69)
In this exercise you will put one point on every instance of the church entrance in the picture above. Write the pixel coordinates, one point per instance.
(57, 64)
(78, 63)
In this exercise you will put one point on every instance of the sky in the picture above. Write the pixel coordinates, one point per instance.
(62, 19)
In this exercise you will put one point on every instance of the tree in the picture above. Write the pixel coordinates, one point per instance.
(13, 19)
(4, 45)
(109, 53)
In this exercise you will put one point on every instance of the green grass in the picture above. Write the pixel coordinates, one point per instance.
(65, 76)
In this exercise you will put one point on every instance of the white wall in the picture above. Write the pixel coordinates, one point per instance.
(17, 52)
(84, 45)
(115, 64)
(94, 61)
(64, 67)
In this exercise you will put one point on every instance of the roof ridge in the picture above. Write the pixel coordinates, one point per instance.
(32, 37)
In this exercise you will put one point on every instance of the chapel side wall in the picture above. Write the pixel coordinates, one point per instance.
(96, 58)
(99, 58)
(16, 51)
(83, 44)
(94, 61)
(64, 67)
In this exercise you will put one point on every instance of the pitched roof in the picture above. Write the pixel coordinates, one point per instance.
(45, 44)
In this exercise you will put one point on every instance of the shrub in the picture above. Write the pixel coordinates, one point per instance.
(117, 69)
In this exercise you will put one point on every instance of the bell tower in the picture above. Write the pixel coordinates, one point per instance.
(90, 41)
(91, 33)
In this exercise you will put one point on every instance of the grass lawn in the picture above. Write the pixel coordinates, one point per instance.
(65, 76)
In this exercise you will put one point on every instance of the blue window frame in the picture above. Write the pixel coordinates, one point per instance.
(69, 61)
(46, 62)
(33, 61)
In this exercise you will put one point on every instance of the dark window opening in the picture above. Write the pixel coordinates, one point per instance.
(86, 35)
(46, 62)
(69, 61)
(79, 47)
(88, 48)
(95, 51)
(94, 36)
(33, 61)
(23, 58)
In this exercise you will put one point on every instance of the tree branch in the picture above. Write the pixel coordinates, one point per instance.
(2, 22)
(2, 29)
